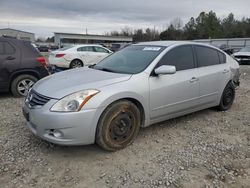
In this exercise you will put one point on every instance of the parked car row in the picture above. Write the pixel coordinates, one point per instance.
(21, 64)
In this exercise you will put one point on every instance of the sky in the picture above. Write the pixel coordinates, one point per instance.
(43, 17)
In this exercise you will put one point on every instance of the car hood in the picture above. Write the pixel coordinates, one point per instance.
(64, 83)
(242, 53)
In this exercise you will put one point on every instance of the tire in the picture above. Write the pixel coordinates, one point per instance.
(21, 85)
(118, 126)
(76, 63)
(227, 97)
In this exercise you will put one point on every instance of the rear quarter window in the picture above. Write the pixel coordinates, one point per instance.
(222, 57)
(27, 49)
(206, 56)
(9, 49)
(101, 50)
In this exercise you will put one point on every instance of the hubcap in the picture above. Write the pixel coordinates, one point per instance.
(121, 127)
(24, 85)
(76, 64)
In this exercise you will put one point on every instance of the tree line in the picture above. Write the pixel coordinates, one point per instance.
(205, 26)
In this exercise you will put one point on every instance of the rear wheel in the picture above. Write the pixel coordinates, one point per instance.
(118, 126)
(227, 97)
(76, 63)
(21, 85)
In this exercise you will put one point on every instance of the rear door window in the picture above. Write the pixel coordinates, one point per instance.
(206, 56)
(180, 57)
(85, 49)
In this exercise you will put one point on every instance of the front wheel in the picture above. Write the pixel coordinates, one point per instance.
(21, 85)
(227, 97)
(118, 126)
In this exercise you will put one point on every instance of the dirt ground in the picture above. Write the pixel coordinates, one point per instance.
(203, 149)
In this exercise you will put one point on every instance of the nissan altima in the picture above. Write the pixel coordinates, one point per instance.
(138, 86)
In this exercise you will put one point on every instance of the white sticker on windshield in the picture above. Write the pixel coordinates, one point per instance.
(151, 48)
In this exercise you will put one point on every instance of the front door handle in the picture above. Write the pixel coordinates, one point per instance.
(225, 71)
(193, 79)
(10, 58)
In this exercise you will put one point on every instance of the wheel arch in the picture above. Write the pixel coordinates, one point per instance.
(22, 72)
(77, 59)
(99, 140)
(137, 103)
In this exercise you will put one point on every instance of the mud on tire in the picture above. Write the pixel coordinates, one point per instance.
(118, 126)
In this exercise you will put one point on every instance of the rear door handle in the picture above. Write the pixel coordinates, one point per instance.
(193, 79)
(225, 71)
(10, 58)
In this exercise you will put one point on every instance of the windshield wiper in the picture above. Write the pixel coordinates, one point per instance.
(106, 69)
(103, 69)
(92, 66)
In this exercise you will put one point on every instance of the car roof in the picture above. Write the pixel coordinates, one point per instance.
(170, 43)
(82, 45)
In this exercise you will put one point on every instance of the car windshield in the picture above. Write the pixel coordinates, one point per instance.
(246, 49)
(130, 60)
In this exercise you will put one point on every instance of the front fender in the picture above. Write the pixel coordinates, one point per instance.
(122, 90)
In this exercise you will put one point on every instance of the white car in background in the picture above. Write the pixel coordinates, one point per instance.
(78, 56)
(243, 56)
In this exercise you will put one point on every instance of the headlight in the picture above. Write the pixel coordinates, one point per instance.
(73, 102)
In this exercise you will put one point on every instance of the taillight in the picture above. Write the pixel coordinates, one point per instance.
(59, 55)
(42, 61)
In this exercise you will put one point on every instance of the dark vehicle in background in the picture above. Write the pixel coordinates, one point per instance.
(243, 56)
(43, 48)
(229, 49)
(118, 46)
(53, 47)
(21, 65)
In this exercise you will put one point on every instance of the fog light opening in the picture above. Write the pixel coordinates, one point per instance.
(55, 133)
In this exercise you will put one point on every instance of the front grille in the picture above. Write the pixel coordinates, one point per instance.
(36, 99)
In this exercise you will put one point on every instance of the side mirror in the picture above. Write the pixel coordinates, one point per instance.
(165, 69)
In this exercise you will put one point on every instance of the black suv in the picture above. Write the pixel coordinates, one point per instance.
(21, 65)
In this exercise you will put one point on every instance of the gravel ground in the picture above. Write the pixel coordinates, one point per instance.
(203, 149)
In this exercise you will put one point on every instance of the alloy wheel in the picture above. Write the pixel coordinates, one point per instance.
(76, 64)
(24, 86)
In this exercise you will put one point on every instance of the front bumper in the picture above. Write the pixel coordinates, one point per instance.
(73, 128)
(243, 60)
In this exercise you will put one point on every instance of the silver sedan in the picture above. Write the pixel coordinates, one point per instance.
(138, 86)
